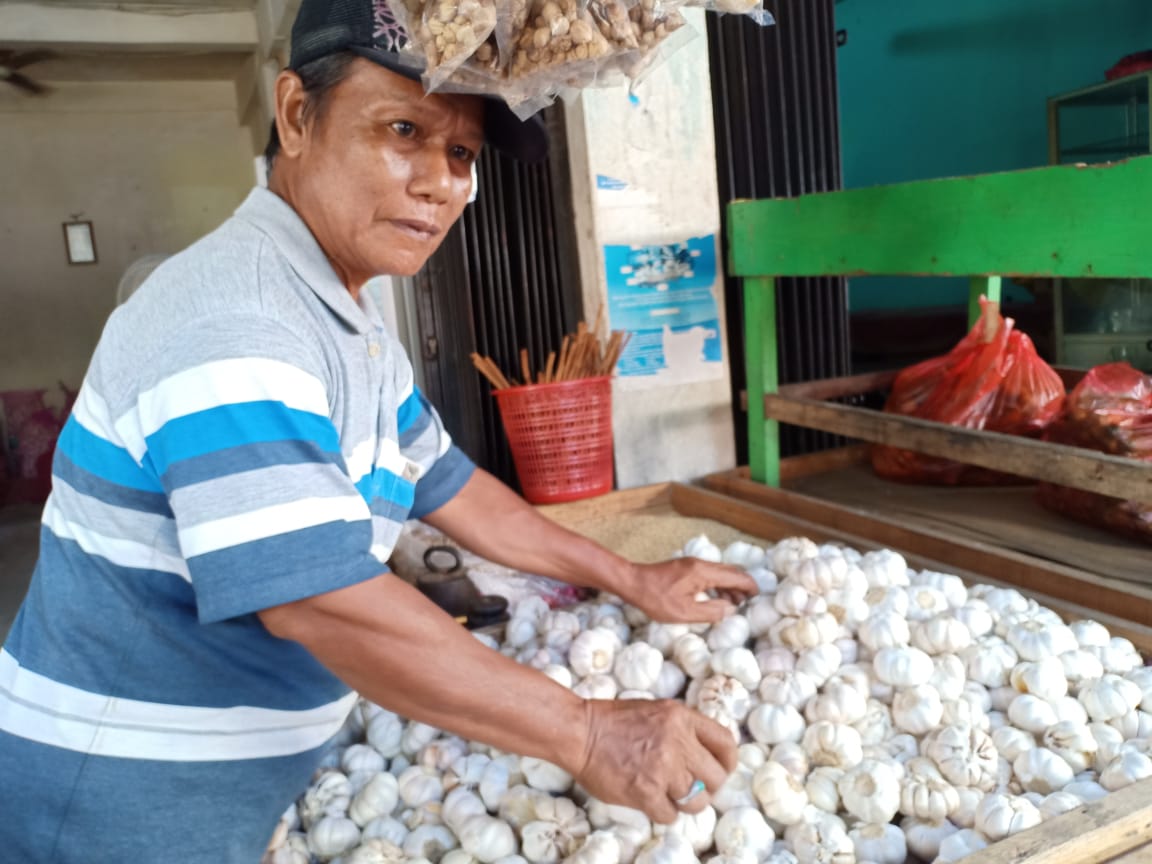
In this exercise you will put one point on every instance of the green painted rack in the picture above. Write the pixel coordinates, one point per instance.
(1070, 221)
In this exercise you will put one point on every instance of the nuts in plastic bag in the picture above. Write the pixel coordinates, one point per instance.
(451, 32)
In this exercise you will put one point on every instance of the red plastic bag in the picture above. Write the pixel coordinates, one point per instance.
(993, 379)
(1110, 410)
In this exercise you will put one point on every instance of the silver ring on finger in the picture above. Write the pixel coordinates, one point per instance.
(697, 787)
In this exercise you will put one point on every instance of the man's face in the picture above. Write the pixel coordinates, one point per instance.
(384, 170)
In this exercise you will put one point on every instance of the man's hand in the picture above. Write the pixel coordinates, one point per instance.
(646, 754)
(669, 591)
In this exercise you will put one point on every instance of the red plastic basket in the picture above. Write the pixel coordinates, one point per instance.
(561, 438)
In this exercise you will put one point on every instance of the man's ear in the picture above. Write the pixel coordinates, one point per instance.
(290, 102)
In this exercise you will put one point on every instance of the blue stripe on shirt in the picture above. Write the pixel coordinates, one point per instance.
(103, 810)
(147, 620)
(382, 483)
(282, 568)
(107, 492)
(248, 457)
(446, 478)
(410, 411)
(103, 458)
(232, 425)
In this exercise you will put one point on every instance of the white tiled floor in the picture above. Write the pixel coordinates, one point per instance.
(19, 542)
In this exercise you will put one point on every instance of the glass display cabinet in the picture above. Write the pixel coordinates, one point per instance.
(1098, 320)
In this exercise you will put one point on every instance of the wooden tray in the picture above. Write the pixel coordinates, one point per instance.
(1117, 828)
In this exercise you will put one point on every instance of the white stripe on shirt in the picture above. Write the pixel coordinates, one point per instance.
(229, 382)
(43, 710)
(117, 550)
(270, 521)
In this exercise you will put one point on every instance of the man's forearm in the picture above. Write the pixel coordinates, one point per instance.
(488, 518)
(386, 640)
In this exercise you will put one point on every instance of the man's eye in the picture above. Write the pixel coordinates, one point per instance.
(463, 154)
(404, 128)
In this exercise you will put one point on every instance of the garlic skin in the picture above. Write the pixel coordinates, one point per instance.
(998, 816)
(821, 786)
(638, 666)
(917, 709)
(881, 844)
(924, 836)
(823, 840)
(833, 744)
(966, 756)
(487, 839)
(696, 828)
(666, 849)
(782, 797)
(1041, 770)
(557, 832)
(870, 791)
(332, 836)
(903, 666)
(925, 794)
(772, 724)
(960, 845)
(593, 652)
(1072, 742)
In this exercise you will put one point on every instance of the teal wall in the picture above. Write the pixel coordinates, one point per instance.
(944, 88)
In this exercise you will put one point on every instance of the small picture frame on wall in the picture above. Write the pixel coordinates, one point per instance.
(80, 242)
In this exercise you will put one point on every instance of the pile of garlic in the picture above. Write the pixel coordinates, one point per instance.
(883, 715)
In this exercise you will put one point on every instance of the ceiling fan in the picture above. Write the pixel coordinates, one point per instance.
(11, 62)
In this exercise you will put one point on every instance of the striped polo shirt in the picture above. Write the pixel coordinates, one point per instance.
(247, 435)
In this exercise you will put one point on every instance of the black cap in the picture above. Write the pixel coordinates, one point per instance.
(368, 29)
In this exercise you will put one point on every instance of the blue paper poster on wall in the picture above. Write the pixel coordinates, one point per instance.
(663, 294)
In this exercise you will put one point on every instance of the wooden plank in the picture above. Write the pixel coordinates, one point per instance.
(1055, 221)
(1071, 466)
(1030, 574)
(834, 388)
(1140, 855)
(614, 503)
(795, 467)
(1115, 824)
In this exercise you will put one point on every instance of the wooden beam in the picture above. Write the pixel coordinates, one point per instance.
(1059, 221)
(1132, 603)
(1071, 466)
(834, 388)
(1116, 824)
(29, 25)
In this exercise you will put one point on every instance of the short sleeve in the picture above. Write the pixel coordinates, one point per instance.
(424, 440)
(236, 427)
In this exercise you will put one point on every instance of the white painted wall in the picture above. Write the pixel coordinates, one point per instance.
(663, 148)
(153, 165)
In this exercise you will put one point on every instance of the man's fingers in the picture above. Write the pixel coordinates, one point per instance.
(664, 812)
(732, 579)
(717, 741)
(710, 611)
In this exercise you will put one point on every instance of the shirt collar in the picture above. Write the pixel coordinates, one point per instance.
(276, 218)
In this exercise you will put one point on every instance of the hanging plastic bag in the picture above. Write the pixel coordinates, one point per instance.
(992, 380)
(1110, 410)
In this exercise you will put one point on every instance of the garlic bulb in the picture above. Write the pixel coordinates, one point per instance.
(791, 550)
(1035, 638)
(819, 662)
(782, 797)
(743, 831)
(1080, 666)
(670, 682)
(787, 688)
(1041, 770)
(1031, 713)
(917, 709)
(950, 585)
(704, 549)
(902, 666)
(823, 841)
(378, 797)
(775, 660)
(956, 847)
(738, 663)
(361, 757)
(599, 847)
(998, 816)
(730, 632)
(597, 687)
(884, 567)
(832, 744)
(771, 724)
(925, 602)
(924, 836)
(791, 757)
(838, 703)
(543, 775)
(631, 828)
(876, 724)
(1072, 742)
(558, 628)
(638, 666)
(880, 844)
(429, 841)
(593, 652)
(976, 616)
(419, 785)
(720, 696)
(1127, 768)
(1109, 697)
(989, 661)
(741, 554)
(696, 828)
(330, 795)
(943, 634)
(808, 631)
(1058, 802)
(416, 737)
(966, 756)
(384, 732)
(666, 849)
(487, 839)
(560, 674)
(870, 791)
(963, 814)
(557, 832)
(925, 794)
(822, 788)
(761, 614)
(460, 805)
(691, 652)
(332, 836)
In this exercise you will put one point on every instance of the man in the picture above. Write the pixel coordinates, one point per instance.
(244, 450)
